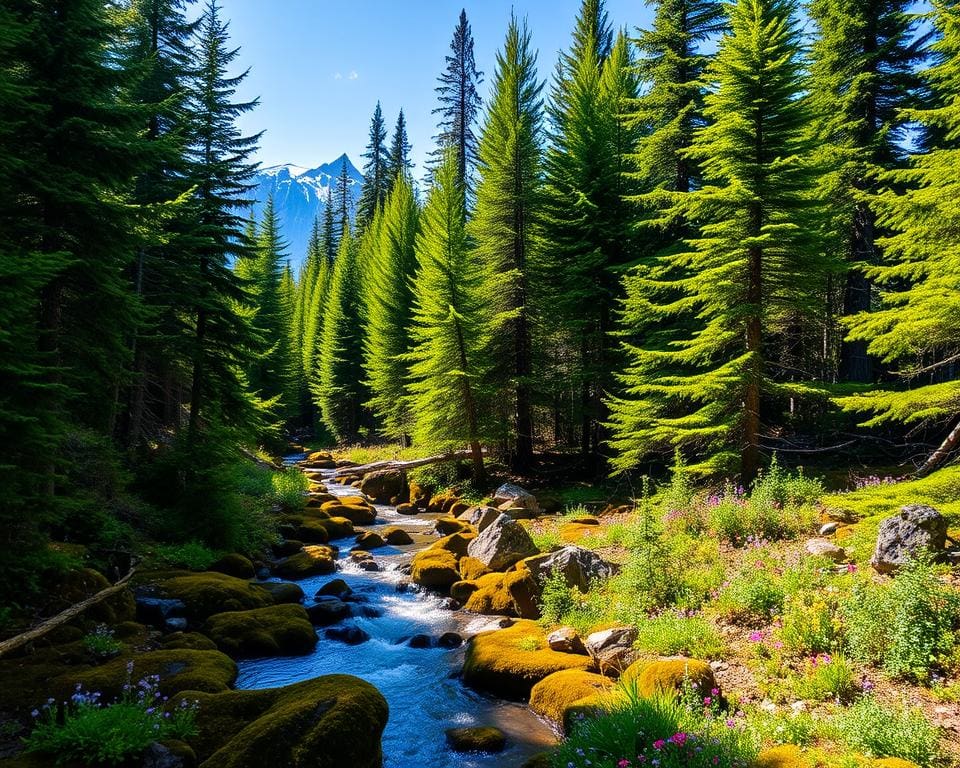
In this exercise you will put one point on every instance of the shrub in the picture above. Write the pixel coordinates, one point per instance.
(751, 598)
(89, 732)
(101, 642)
(547, 539)
(528, 643)
(289, 488)
(660, 731)
(674, 634)
(557, 600)
(906, 627)
(781, 727)
(193, 555)
(827, 678)
(881, 730)
(808, 626)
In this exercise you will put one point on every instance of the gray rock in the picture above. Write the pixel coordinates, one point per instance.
(384, 484)
(508, 496)
(480, 517)
(157, 611)
(347, 635)
(283, 591)
(612, 649)
(579, 566)
(501, 544)
(420, 641)
(176, 624)
(917, 528)
(829, 528)
(824, 548)
(159, 755)
(328, 610)
(566, 640)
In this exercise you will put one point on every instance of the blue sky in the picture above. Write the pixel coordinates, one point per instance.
(319, 66)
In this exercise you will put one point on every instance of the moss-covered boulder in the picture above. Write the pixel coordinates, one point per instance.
(191, 641)
(178, 670)
(283, 591)
(476, 739)
(456, 543)
(435, 568)
(513, 593)
(419, 493)
(338, 527)
(369, 540)
(670, 675)
(447, 525)
(234, 564)
(356, 509)
(785, 756)
(334, 721)
(279, 630)
(567, 695)
(385, 484)
(318, 497)
(309, 561)
(572, 532)
(509, 662)
(461, 590)
(396, 536)
(471, 568)
(76, 585)
(311, 530)
(892, 762)
(205, 594)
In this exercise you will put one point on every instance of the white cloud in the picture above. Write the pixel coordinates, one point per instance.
(353, 75)
(337, 76)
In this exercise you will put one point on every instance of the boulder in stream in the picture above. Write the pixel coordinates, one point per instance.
(279, 630)
(309, 561)
(336, 587)
(384, 484)
(476, 739)
(369, 540)
(328, 610)
(347, 635)
(503, 543)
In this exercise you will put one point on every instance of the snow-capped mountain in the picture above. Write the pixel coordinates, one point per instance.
(300, 195)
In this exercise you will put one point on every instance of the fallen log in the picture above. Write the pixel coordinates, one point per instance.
(943, 450)
(402, 465)
(63, 617)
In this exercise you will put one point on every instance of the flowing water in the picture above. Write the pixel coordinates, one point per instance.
(421, 685)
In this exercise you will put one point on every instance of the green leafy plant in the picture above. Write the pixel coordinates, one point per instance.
(676, 634)
(557, 599)
(88, 731)
(881, 730)
(827, 678)
(101, 642)
(529, 643)
(193, 555)
(808, 625)
(752, 597)
(289, 488)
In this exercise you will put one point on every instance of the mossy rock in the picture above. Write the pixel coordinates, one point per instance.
(514, 593)
(338, 527)
(456, 543)
(205, 594)
(178, 669)
(670, 675)
(286, 547)
(447, 525)
(25, 681)
(76, 585)
(892, 762)
(441, 502)
(334, 721)
(572, 532)
(566, 696)
(509, 662)
(191, 641)
(369, 540)
(470, 568)
(283, 592)
(419, 493)
(476, 739)
(279, 630)
(539, 760)
(785, 756)
(396, 536)
(311, 530)
(234, 564)
(310, 561)
(461, 590)
(318, 498)
(436, 568)
(356, 509)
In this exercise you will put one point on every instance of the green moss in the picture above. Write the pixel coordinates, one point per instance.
(564, 695)
(667, 675)
(447, 525)
(234, 564)
(478, 739)
(192, 641)
(355, 508)
(513, 593)
(279, 630)
(310, 561)
(470, 568)
(496, 663)
(434, 568)
(329, 722)
(205, 594)
(338, 527)
(312, 530)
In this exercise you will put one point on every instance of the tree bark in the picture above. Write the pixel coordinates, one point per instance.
(943, 450)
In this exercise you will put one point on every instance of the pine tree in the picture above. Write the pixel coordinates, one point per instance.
(503, 226)
(453, 326)
(221, 169)
(586, 220)
(342, 204)
(338, 375)
(373, 192)
(918, 321)
(389, 299)
(862, 78)
(398, 159)
(459, 104)
(698, 385)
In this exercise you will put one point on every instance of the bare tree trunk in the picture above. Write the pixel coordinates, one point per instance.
(943, 450)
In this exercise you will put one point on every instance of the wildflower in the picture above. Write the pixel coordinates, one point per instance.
(623, 763)
(659, 744)
(35, 713)
(756, 637)
(714, 691)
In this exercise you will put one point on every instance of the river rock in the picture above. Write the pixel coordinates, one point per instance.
(283, 591)
(580, 567)
(407, 509)
(310, 561)
(566, 640)
(279, 630)
(328, 610)
(347, 635)
(915, 529)
(369, 540)
(447, 525)
(336, 587)
(478, 739)
(397, 536)
(450, 640)
(234, 564)
(612, 649)
(828, 529)
(420, 641)
(824, 548)
(508, 496)
(168, 754)
(503, 543)
(158, 612)
(480, 517)
(384, 484)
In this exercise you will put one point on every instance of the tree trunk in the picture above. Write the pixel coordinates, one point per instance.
(943, 450)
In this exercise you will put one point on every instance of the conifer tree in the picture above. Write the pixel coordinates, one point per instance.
(862, 78)
(698, 385)
(503, 226)
(918, 321)
(373, 192)
(338, 374)
(342, 205)
(453, 326)
(221, 168)
(459, 103)
(586, 220)
(389, 298)
(398, 159)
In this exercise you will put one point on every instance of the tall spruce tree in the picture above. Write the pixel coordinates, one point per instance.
(586, 219)
(453, 326)
(342, 204)
(398, 158)
(918, 321)
(459, 104)
(862, 79)
(222, 170)
(387, 338)
(503, 227)
(338, 373)
(698, 386)
(373, 191)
